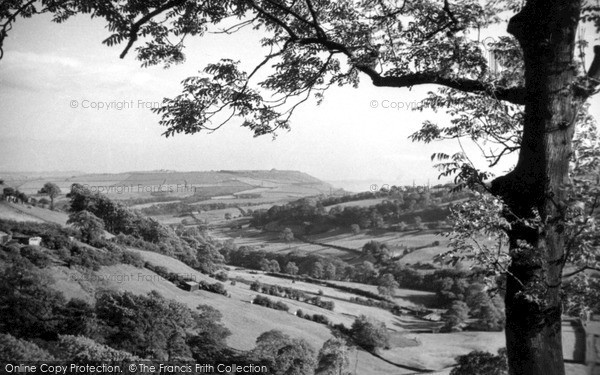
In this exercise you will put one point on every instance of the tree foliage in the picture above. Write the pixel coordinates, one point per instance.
(52, 190)
(13, 349)
(334, 358)
(478, 362)
(370, 333)
(90, 225)
(285, 355)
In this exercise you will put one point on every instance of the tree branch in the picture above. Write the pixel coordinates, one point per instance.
(135, 28)
(515, 95)
(594, 71)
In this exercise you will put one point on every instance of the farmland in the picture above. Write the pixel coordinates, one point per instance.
(416, 343)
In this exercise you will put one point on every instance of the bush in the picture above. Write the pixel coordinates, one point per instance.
(478, 362)
(319, 318)
(267, 302)
(36, 256)
(281, 306)
(132, 258)
(217, 288)
(256, 286)
(222, 276)
(83, 349)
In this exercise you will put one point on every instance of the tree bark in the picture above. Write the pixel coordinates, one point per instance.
(546, 33)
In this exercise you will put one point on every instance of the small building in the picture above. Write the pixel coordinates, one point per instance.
(24, 239)
(592, 346)
(433, 317)
(581, 343)
(4, 238)
(190, 286)
(35, 241)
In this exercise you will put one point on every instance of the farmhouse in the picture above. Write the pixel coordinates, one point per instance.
(24, 239)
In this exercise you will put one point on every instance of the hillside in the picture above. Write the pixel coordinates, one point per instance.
(81, 271)
(135, 185)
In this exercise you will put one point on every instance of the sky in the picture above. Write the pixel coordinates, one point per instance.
(54, 77)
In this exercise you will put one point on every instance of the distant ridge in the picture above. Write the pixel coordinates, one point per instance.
(285, 183)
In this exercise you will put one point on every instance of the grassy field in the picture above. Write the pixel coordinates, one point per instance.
(410, 347)
(245, 320)
(248, 321)
(25, 212)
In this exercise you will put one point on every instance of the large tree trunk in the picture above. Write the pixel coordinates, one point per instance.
(546, 32)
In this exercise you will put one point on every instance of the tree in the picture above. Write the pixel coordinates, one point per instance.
(81, 349)
(152, 326)
(456, 316)
(379, 251)
(387, 285)
(477, 362)
(8, 191)
(318, 44)
(52, 190)
(370, 333)
(419, 223)
(274, 266)
(317, 270)
(284, 355)
(366, 272)
(330, 271)
(333, 358)
(265, 265)
(13, 349)
(29, 306)
(355, 228)
(287, 235)
(291, 268)
(90, 225)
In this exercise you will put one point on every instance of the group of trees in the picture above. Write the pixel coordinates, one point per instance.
(315, 218)
(92, 212)
(121, 326)
(145, 326)
(10, 192)
(50, 189)
(294, 263)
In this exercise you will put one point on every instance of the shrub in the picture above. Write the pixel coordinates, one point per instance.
(83, 349)
(478, 362)
(281, 306)
(256, 286)
(222, 276)
(319, 318)
(217, 288)
(132, 258)
(36, 256)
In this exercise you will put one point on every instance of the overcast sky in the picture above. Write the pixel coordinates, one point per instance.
(48, 69)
